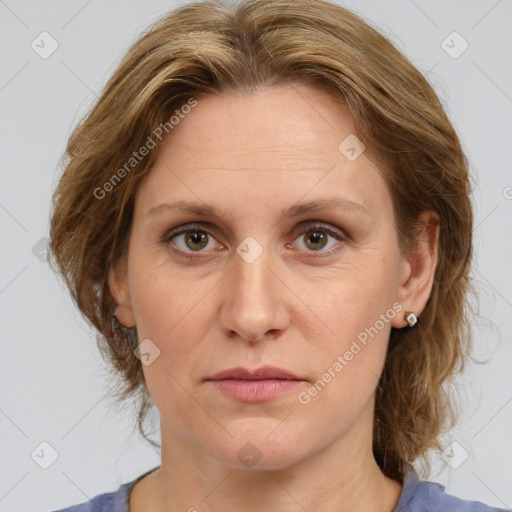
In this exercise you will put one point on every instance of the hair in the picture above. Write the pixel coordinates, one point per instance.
(215, 47)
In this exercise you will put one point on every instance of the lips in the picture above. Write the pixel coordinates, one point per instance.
(263, 373)
(259, 385)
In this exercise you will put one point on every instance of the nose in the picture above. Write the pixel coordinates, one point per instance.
(254, 300)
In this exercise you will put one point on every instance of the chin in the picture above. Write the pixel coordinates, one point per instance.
(262, 449)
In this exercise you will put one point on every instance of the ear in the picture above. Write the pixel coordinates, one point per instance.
(118, 284)
(419, 266)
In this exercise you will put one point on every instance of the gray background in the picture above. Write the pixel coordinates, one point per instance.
(52, 383)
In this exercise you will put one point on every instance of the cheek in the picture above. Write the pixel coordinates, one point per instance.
(353, 297)
(347, 364)
(177, 315)
(353, 324)
(163, 300)
(173, 316)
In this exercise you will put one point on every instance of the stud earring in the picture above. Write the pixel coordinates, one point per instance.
(410, 318)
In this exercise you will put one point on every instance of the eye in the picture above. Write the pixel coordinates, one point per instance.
(194, 238)
(315, 238)
(191, 239)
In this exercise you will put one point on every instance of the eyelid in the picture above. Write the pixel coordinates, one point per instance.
(320, 224)
(192, 226)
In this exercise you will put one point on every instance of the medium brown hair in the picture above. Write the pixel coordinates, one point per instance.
(215, 47)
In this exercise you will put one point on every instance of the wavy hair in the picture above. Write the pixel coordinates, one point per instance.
(214, 47)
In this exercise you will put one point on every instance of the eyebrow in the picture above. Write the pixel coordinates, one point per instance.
(208, 210)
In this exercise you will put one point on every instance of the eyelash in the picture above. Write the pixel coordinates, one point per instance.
(188, 228)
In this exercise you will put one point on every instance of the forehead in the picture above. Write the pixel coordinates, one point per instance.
(278, 118)
(277, 144)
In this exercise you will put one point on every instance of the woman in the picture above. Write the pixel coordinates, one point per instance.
(266, 216)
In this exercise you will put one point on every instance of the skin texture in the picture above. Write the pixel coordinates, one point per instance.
(251, 155)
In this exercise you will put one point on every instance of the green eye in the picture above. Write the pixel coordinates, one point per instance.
(193, 238)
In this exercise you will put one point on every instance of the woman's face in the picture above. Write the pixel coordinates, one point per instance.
(259, 278)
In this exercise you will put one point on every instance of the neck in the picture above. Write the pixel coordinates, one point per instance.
(343, 477)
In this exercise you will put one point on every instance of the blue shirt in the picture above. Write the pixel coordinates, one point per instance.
(417, 496)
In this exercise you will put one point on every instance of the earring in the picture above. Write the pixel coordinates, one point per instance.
(410, 318)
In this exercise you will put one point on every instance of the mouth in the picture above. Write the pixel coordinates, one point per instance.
(262, 373)
(259, 385)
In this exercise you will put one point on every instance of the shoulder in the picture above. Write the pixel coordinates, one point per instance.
(107, 502)
(115, 501)
(424, 496)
